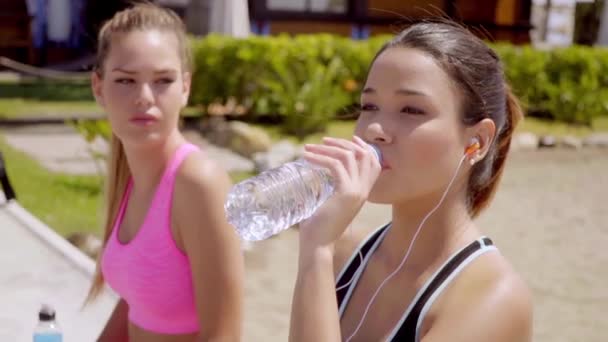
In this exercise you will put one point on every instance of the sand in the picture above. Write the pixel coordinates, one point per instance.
(550, 218)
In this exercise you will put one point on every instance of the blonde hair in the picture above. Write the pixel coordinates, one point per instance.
(143, 16)
(139, 17)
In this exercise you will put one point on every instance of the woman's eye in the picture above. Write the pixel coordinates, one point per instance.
(368, 107)
(165, 80)
(124, 81)
(412, 110)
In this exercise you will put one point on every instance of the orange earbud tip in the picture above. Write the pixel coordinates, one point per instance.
(472, 148)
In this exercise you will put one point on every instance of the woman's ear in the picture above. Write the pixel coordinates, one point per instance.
(96, 87)
(485, 132)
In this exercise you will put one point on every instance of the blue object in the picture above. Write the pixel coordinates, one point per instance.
(40, 23)
(53, 337)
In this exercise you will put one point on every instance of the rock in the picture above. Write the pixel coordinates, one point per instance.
(88, 243)
(282, 152)
(215, 130)
(571, 142)
(229, 160)
(194, 137)
(525, 141)
(238, 136)
(547, 141)
(597, 140)
(247, 140)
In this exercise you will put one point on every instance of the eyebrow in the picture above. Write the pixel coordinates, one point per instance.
(402, 91)
(131, 72)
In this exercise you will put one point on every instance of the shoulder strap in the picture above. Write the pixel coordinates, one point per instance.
(408, 327)
(352, 265)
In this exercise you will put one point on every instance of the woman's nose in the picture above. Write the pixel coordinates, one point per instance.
(145, 96)
(375, 133)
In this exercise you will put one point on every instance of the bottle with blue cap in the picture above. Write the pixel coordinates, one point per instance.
(47, 329)
(274, 200)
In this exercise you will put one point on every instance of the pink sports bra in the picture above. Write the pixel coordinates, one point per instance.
(150, 272)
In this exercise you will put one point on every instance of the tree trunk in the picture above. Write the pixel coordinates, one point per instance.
(602, 38)
(197, 17)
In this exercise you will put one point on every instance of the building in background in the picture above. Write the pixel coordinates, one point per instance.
(507, 20)
(556, 21)
(62, 33)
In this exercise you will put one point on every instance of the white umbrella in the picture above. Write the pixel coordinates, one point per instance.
(230, 17)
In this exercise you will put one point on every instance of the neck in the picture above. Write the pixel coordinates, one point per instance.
(147, 163)
(442, 232)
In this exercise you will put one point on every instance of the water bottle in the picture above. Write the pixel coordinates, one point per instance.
(47, 329)
(276, 199)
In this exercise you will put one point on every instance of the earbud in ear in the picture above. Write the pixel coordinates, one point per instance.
(473, 147)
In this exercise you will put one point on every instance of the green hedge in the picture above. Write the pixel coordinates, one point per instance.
(305, 80)
(308, 79)
(566, 84)
(46, 90)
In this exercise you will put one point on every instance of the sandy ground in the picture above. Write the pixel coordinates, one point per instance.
(550, 219)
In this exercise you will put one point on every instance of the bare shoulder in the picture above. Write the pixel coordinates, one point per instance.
(504, 288)
(199, 172)
(348, 244)
(201, 187)
(488, 301)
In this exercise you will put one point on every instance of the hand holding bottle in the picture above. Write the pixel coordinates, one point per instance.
(354, 168)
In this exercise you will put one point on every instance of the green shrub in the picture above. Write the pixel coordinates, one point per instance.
(46, 90)
(578, 84)
(243, 69)
(307, 79)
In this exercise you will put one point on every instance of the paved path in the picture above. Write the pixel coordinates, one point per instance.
(60, 149)
(38, 266)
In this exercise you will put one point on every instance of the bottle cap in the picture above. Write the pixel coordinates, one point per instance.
(46, 313)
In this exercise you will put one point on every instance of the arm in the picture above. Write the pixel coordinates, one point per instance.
(315, 289)
(212, 246)
(502, 313)
(117, 327)
(315, 314)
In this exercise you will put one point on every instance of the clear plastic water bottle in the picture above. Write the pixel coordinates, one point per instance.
(274, 200)
(48, 329)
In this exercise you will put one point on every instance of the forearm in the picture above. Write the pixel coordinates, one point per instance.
(314, 315)
(117, 327)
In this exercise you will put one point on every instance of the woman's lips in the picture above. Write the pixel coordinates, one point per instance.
(384, 165)
(143, 119)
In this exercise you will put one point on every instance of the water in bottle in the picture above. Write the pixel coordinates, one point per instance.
(275, 200)
(47, 329)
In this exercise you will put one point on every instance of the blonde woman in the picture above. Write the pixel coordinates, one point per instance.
(168, 250)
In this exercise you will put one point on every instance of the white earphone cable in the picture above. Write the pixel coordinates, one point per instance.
(407, 254)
